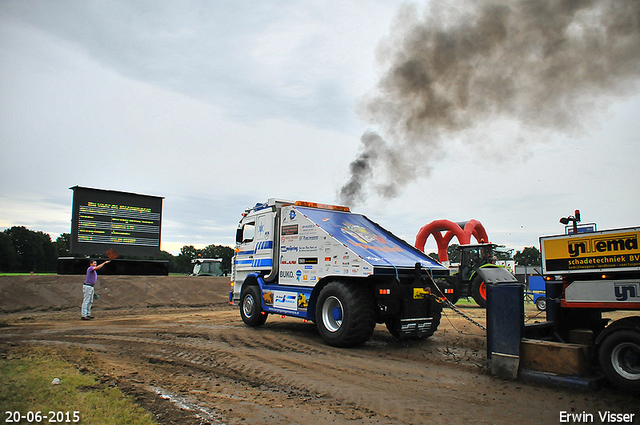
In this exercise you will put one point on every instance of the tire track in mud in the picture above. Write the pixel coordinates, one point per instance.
(284, 373)
(276, 360)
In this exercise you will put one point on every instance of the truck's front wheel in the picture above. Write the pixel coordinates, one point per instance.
(619, 356)
(251, 307)
(345, 314)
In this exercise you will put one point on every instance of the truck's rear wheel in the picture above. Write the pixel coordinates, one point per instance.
(345, 314)
(619, 356)
(479, 291)
(251, 307)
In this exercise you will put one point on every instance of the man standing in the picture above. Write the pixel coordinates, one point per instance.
(88, 288)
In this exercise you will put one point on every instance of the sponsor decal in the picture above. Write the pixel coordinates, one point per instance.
(291, 229)
(286, 274)
(298, 274)
(285, 300)
(312, 260)
(361, 234)
(308, 248)
(303, 302)
(603, 245)
(626, 291)
(292, 214)
(288, 248)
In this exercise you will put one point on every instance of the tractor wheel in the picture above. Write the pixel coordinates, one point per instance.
(619, 356)
(541, 303)
(251, 307)
(345, 314)
(479, 291)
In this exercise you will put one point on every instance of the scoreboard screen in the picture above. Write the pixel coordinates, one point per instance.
(128, 223)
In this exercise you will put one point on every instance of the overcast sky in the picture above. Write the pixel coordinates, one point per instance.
(218, 105)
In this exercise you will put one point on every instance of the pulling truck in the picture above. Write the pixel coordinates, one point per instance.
(325, 264)
(595, 273)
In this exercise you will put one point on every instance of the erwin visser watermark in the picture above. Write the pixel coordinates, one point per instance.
(605, 417)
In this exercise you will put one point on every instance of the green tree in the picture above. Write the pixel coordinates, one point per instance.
(530, 256)
(454, 253)
(183, 262)
(434, 255)
(35, 251)
(8, 255)
(63, 244)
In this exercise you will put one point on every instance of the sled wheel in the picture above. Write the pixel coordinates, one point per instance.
(619, 356)
(345, 314)
(479, 291)
(250, 307)
(541, 303)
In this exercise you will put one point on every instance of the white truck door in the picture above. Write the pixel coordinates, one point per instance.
(255, 250)
(263, 257)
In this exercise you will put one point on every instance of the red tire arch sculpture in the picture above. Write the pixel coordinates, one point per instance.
(463, 231)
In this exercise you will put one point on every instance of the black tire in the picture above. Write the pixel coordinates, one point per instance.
(251, 307)
(541, 303)
(479, 291)
(345, 314)
(435, 312)
(619, 356)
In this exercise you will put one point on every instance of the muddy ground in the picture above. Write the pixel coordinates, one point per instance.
(176, 345)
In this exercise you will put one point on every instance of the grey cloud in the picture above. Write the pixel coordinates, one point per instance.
(545, 64)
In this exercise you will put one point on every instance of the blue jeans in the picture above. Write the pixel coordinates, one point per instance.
(87, 302)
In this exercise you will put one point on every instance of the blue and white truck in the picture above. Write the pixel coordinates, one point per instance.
(338, 269)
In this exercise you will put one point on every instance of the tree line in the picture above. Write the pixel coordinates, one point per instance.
(529, 256)
(23, 251)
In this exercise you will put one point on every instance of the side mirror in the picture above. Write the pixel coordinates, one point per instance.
(239, 235)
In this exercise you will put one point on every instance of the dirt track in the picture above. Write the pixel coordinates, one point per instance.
(190, 359)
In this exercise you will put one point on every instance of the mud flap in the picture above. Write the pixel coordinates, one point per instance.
(417, 318)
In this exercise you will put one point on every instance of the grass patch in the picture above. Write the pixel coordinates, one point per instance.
(27, 387)
(466, 301)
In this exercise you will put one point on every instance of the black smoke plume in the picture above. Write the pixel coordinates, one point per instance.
(542, 64)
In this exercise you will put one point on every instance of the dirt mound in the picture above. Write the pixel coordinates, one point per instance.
(61, 292)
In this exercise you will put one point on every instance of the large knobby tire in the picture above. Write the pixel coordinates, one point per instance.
(619, 356)
(479, 291)
(251, 307)
(345, 314)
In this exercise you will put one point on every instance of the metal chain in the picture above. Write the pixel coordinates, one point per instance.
(461, 313)
(443, 299)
